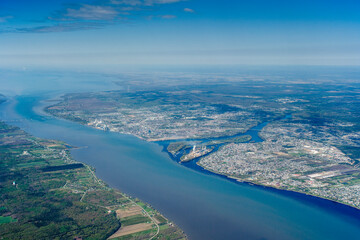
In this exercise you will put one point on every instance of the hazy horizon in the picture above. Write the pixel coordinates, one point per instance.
(177, 32)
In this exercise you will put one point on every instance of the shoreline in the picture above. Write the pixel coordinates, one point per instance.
(227, 177)
(236, 180)
(41, 107)
(131, 199)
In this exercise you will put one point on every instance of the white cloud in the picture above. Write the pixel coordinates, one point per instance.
(189, 10)
(86, 16)
(152, 2)
(92, 12)
(127, 2)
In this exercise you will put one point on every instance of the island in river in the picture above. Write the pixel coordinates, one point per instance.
(45, 194)
(314, 150)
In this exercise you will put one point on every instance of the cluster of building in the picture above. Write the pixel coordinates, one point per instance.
(291, 163)
(296, 154)
(155, 124)
(196, 152)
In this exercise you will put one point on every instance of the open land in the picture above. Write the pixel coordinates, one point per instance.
(315, 151)
(127, 230)
(45, 194)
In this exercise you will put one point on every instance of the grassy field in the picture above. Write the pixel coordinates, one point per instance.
(6, 219)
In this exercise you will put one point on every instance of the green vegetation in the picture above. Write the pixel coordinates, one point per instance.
(175, 147)
(7, 219)
(44, 194)
(160, 219)
(351, 151)
(43, 206)
(239, 139)
(134, 220)
(169, 233)
(139, 235)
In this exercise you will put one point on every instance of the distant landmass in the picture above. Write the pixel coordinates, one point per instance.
(308, 141)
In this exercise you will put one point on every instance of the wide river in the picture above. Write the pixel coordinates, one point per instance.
(205, 206)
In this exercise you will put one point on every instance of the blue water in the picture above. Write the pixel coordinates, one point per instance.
(205, 206)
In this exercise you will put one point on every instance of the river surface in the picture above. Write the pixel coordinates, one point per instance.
(204, 205)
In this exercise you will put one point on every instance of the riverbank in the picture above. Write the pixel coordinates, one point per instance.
(255, 137)
(195, 165)
(239, 180)
(253, 133)
(190, 198)
(38, 174)
(47, 203)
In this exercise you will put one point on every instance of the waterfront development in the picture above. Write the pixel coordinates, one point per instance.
(194, 200)
(308, 144)
(179, 119)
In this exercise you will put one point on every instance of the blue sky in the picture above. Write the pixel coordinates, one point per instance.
(114, 32)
